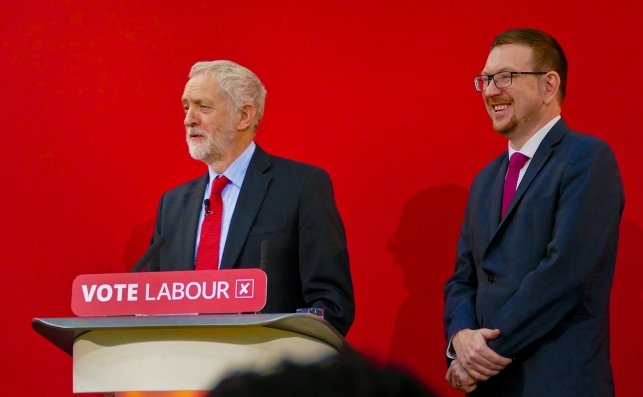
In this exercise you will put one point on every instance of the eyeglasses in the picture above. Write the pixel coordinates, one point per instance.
(500, 79)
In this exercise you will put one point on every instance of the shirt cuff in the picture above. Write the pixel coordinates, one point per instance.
(450, 350)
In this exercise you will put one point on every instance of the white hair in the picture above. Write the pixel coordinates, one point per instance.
(239, 83)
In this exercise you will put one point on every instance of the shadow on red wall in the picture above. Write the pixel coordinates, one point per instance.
(424, 246)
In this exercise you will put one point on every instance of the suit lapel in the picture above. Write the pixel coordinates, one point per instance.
(253, 191)
(542, 155)
(495, 196)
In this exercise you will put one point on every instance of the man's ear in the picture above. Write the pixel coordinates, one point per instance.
(551, 87)
(247, 115)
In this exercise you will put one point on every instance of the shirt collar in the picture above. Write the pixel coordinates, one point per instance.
(530, 147)
(236, 172)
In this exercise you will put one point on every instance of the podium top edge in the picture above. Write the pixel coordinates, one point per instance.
(63, 331)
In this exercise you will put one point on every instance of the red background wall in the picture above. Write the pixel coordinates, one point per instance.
(378, 93)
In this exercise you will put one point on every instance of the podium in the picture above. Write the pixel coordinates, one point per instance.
(164, 353)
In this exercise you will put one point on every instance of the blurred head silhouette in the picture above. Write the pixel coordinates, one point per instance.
(346, 375)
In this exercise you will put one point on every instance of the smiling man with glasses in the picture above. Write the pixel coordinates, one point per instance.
(527, 308)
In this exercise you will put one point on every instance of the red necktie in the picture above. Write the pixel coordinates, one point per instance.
(516, 163)
(207, 257)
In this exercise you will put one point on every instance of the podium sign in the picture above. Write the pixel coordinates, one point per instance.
(176, 292)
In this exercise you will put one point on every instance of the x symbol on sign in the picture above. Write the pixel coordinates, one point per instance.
(244, 288)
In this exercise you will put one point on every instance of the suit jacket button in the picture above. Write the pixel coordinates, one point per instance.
(490, 278)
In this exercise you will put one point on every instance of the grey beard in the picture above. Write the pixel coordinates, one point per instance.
(204, 152)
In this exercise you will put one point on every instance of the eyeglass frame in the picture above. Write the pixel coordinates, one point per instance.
(487, 78)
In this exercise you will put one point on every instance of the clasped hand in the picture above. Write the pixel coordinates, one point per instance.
(475, 360)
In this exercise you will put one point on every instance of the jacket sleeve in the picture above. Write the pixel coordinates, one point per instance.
(460, 289)
(323, 255)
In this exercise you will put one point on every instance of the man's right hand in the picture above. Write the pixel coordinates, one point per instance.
(475, 356)
(459, 379)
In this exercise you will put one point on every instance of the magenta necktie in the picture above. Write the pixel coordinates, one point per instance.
(516, 163)
(207, 257)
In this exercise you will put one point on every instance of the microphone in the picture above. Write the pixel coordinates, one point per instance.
(151, 252)
(208, 211)
(264, 259)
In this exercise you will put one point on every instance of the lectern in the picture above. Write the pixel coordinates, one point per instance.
(183, 352)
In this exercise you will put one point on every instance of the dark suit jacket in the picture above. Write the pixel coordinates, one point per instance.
(287, 203)
(543, 274)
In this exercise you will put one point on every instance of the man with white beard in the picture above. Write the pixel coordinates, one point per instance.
(262, 205)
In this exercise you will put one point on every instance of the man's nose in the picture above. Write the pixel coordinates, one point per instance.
(190, 119)
(491, 89)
